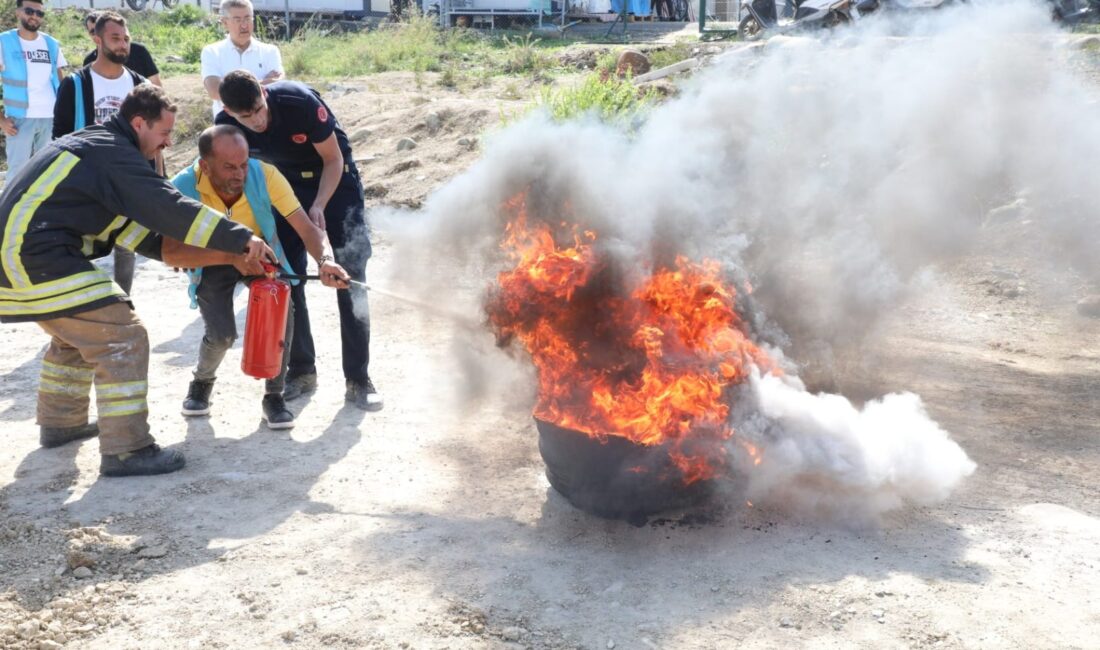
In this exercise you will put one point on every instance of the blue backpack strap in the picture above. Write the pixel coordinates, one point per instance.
(187, 184)
(79, 121)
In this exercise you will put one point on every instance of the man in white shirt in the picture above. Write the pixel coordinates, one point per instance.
(139, 59)
(93, 95)
(31, 74)
(239, 51)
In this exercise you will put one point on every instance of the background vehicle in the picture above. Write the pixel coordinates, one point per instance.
(917, 5)
(1072, 12)
(760, 15)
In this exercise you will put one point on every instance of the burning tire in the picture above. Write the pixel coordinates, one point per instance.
(615, 478)
(648, 354)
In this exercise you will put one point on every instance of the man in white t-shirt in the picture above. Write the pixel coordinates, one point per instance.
(239, 51)
(31, 72)
(93, 95)
(110, 79)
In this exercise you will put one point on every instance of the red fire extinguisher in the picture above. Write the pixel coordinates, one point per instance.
(265, 326)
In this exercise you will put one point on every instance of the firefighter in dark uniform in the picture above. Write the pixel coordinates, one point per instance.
(288, 125)
(74, 201)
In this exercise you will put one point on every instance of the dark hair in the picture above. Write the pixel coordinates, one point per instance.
(91, 18)
(207, 138)
(146, 101)
(19, 3)
(105, 17)
(240, 91)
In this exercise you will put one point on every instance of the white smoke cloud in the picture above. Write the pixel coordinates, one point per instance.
(834, 173)
(820, 455)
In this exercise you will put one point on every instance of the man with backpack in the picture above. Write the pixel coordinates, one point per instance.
(100, 86)
(93, 95)
(140, 60)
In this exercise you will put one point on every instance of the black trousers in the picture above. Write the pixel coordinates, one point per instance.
(124, 268)
(345, 220)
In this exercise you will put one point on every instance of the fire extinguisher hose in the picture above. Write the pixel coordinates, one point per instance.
(461, 319)
(291, 276)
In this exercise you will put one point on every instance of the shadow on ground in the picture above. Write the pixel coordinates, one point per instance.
(232, 489)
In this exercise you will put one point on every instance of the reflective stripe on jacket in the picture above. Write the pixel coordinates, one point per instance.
(75, 201)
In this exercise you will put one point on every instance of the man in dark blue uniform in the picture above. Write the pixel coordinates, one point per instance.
(288, 125)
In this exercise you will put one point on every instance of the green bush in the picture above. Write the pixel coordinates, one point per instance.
(523, 56)
(181, 33)
(185, 15)
(414, 45)
(323, 50)
(7, 15)
(610, 98)
(606, 63)
(669, 55)
(192, 52)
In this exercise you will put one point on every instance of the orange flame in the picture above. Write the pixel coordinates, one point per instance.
(649, 358)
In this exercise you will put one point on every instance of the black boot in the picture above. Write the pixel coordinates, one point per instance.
(277, 415)
(142, 462)
(198, 398)
(364, 396)
(57, 436)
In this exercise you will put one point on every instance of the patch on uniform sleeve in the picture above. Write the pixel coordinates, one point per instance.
(322, 114)
(299, 138)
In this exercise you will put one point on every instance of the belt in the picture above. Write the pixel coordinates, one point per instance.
(317, 174)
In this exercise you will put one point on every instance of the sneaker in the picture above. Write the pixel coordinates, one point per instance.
(142, 462)
(198, 398)
(56, 436)
(300, 385)
(276, 414)
(363, 396)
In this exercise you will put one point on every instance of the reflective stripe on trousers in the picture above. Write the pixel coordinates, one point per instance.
(110, 347)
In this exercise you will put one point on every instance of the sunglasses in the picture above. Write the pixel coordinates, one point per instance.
(34, 12)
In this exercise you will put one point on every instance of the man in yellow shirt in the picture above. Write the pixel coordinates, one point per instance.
(253, 194)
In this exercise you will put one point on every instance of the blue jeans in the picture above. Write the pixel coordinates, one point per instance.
(33, 134)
